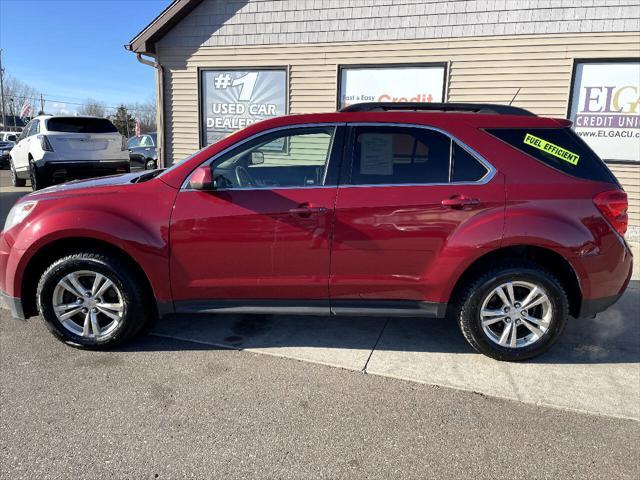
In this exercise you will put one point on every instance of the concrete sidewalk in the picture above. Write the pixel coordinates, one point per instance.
(594, 368)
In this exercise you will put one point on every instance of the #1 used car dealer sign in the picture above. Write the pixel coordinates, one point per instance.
(234, 99)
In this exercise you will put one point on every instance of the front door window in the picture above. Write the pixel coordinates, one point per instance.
(288, 159)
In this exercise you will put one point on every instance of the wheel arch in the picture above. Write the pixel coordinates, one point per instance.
(546, 258)
(61, 247)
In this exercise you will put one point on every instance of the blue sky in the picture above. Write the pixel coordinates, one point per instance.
(70, 50)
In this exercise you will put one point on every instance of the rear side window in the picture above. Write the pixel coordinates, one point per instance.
(464, 167)
(80, 125)
(396, 155)
(559, 148)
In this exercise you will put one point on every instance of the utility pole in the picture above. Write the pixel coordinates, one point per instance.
(4, 117)
(41, 104)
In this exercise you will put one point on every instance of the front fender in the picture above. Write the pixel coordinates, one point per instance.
(138, 227)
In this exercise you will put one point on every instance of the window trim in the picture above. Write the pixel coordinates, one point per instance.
(491, 170)
(185, 184)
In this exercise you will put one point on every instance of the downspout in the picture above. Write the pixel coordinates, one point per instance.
(160, 106)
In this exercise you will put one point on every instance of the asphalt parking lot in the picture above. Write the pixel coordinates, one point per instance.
(286, 397)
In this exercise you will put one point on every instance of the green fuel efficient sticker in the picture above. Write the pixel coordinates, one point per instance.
(551, 149)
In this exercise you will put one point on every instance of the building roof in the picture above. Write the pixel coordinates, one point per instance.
(145, 41)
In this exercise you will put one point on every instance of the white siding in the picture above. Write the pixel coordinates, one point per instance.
(263, 22)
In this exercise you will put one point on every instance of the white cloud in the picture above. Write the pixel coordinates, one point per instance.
(59, 108)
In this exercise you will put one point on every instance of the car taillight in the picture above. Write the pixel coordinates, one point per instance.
(44, 143)
(123, 147)
(613, 206)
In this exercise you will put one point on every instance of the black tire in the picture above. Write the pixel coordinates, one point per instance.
(37, 177)
(150, 165)
(15, 181)
(138, 311)
(469, 302)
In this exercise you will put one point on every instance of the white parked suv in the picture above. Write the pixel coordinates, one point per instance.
(53, 148)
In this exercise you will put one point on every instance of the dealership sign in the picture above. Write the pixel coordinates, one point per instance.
(605, 108)
(391, 84)
(234, 99)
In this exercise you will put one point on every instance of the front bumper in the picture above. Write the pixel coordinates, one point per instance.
(14, 305)
(85, 169)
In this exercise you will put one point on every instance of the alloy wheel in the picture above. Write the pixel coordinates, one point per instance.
(88, 304)
(516, 314)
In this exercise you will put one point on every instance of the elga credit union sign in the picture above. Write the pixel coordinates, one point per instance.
(391, 84)
(234, 99)
(605, 108)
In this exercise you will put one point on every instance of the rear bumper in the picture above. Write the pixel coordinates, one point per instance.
(591, 307)
(85, 169)
(13, 304)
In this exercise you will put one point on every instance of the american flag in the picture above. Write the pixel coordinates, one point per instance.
(26, 110)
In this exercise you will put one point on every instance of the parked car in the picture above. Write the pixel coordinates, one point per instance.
(8, 136)
(504, 222)
(5, 149)
(143, 152)
(55, 148)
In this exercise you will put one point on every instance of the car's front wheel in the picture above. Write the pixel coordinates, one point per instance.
(514, 312)
(92, 300)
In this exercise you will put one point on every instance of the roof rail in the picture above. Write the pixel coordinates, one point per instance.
(438, 107)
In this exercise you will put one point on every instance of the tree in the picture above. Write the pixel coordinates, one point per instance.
(145, 113)
(124, 122)
(93, 108)
(15, 94)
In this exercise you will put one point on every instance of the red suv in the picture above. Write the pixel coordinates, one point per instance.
(489, 215)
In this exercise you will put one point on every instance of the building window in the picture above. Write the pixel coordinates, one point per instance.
(233, 99)
(407, 83)
(605, 107)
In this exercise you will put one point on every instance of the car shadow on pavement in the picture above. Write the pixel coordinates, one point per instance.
(611, 337)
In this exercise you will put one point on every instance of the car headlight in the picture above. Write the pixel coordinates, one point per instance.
(18, 213)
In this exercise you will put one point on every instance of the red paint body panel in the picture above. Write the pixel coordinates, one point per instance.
(382, 243)
(401, 243)
(132, 217)
(247, 244)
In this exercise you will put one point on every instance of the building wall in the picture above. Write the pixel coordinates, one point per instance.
(482, 69)
(262, 22)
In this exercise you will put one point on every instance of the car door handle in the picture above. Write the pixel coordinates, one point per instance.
(460, 201)
(306, 210)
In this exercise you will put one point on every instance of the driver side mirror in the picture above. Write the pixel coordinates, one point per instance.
(202, 178)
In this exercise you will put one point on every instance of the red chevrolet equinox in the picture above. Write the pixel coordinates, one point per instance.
(488, 215)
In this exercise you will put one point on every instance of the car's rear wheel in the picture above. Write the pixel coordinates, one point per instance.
(514, 312)
(37, 177)
(150, 165)
(92, 300)
(15, 180)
